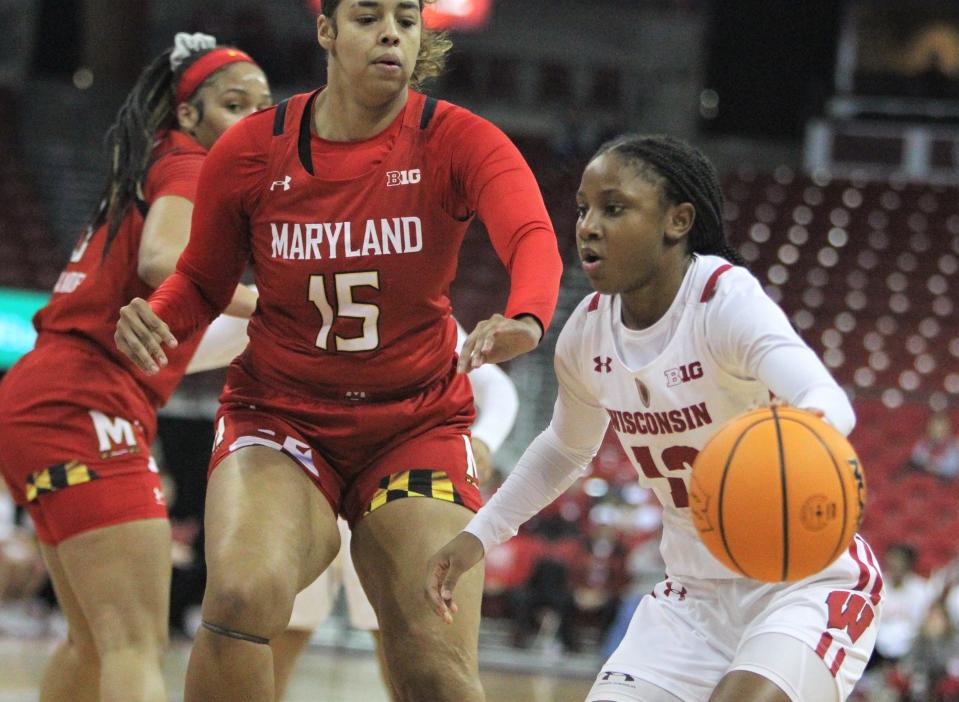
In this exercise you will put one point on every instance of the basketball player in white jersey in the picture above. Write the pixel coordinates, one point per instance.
(676, 341)
(497, 404)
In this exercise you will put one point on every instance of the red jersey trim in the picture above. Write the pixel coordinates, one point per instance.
(710, 288)
(594, 303)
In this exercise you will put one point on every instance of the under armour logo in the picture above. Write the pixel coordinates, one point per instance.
(285, 183)
(603, 365)
(625, 677)
(670, 590)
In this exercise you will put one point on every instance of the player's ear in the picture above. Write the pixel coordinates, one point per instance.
(679, 220)
(187, 116)
(325, 31)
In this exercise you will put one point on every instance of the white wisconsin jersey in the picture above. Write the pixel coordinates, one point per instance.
(664, 411)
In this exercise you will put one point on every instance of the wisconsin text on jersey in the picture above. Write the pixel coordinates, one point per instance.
(669, 422)
(381, 237)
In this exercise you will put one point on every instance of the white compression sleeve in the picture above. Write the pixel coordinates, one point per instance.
(751, 337)
(544, 472)
(497, 404)
(556, 457)
(223, 341)
(797, 375)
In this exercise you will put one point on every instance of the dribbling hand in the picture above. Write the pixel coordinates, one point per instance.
(498, 339)
(444, 571)
(141, 336)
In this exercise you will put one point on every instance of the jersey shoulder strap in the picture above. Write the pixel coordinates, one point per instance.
(710, 288)
(429, 109)
(279, 117)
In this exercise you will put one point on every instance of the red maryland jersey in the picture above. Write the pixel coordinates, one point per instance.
(354, 246)
(90, 291)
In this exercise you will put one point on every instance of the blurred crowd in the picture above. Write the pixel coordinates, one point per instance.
(917, 652)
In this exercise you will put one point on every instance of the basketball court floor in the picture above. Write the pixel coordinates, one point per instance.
(333, 671)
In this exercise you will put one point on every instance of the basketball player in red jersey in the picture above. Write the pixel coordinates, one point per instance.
(351, 202)
(76, 417)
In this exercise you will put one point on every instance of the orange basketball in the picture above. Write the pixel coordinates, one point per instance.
(777, 494)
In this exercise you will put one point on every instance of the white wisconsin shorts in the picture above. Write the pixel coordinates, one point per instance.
(685, 635)
(315, 602)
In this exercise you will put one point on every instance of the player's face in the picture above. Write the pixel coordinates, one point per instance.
(626, 234)
(374, 45)
(237, 90)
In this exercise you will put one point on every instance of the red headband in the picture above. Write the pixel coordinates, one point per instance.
(211, 61)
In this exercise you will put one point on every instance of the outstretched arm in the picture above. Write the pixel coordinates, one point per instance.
(762, 344)
(497, 404)
(206, 276)
(498, 185)
(546, 469)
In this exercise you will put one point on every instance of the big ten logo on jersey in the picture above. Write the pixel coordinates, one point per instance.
(410, 177)
(683, 374)
(115, 435)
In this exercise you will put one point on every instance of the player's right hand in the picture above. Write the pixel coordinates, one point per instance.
(444, 571)
(499, 339)
(141, 336)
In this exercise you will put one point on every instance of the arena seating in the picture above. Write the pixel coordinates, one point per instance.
(866, 272)
(29, 256)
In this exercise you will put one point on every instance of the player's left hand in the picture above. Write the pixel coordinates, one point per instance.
(444, 571)
(498, 339)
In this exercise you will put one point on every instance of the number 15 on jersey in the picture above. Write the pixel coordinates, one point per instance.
(346, 307)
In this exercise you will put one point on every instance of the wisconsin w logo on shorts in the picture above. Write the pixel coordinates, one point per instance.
(58, 477)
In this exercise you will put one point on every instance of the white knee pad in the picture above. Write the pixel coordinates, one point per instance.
(790, 664)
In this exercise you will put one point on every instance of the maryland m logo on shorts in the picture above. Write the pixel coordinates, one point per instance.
(414, 483)
(58, 477)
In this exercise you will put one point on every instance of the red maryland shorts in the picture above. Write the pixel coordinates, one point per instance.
(364, 454)
(74, 468)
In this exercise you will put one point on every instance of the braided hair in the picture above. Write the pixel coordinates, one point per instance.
(149, 108)
(684, 174)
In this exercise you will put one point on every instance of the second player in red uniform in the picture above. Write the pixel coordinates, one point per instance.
(77, 418)
(351, 202)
